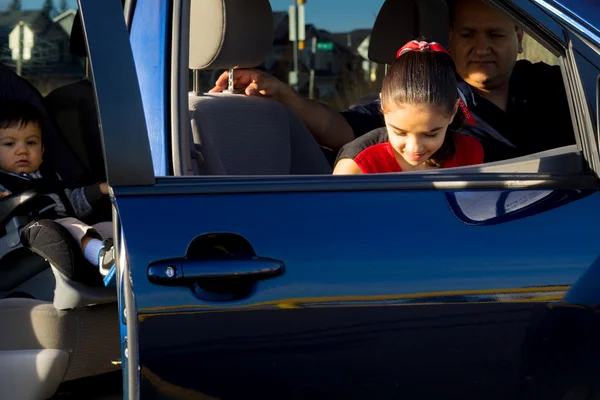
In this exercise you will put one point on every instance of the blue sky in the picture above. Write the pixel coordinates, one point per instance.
(333, 15)
(36, 3)
(337, 15)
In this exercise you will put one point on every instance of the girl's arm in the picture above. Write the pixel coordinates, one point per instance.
(346, 166)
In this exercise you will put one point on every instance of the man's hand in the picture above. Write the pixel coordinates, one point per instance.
(104, 188)
(4, 194)
(254, 83)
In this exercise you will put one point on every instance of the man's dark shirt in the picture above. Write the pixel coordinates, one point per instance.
(537, 117)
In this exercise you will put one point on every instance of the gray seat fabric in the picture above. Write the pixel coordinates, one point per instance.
(41, 346)
(237, 134)
(241, 135)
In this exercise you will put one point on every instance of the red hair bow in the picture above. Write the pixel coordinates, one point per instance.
(415, 45)
(421, 46)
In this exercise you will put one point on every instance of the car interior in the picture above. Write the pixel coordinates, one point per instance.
(51, 332)
(218, 142)
(57, 330)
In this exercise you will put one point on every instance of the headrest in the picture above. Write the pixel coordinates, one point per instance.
(77, 42)
(230, 33)
(400, 21)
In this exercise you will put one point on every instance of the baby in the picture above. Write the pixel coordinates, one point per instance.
(21, 153)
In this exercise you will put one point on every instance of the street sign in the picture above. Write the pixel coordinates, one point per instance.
(293, 78)
(21, 47)
(328, 46)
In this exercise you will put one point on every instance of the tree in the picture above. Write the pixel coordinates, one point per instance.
(63, 6)
(48, 7)
(14, 5)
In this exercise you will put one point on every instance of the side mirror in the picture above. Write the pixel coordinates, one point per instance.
(495, 207)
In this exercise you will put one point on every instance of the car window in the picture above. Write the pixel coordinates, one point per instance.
(35, 42)
(535, 52)
(334, 65)
(340, 32)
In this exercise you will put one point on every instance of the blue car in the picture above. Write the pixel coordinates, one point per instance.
(245, 270)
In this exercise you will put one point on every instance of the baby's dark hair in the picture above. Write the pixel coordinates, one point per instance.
(425, 77)
(18, 114)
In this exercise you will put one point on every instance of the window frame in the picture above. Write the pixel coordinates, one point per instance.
(123, 128)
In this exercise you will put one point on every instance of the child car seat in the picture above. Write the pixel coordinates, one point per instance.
(68, 330)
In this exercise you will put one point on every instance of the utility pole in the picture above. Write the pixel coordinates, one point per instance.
(20, 50)
(297, 34)
(313, 62)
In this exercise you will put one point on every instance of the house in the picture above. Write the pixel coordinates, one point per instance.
(330, 64)
(65, 20)
(358, 42)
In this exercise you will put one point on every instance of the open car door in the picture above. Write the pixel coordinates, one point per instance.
(410, 285)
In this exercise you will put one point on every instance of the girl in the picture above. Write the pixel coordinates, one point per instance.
(420, 103)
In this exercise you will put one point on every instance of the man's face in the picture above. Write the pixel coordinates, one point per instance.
(485, 44)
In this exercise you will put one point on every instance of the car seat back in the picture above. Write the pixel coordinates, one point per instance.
(400, 21)
(72, 108)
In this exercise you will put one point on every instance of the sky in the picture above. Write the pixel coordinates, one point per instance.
(332, 15)
(36, 3)
(337, 15)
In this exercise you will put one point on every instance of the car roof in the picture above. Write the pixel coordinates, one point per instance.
(585, 10)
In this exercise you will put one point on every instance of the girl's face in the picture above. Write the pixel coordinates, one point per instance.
(416, 132)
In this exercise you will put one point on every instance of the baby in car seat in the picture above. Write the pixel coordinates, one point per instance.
(21, 152)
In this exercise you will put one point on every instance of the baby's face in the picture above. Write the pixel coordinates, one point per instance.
(21, 149)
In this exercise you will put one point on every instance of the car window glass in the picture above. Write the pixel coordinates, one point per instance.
(341, 32)
(34, 42)
(535, 52)
(332, 66)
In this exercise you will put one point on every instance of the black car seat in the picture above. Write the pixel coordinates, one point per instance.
(238, 134)
(55, 329)
(400, 21)
(72, 108)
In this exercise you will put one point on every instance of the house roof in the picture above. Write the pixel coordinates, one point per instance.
(65, 20)
(66, 14)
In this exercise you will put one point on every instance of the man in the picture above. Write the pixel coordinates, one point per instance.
(520, 108)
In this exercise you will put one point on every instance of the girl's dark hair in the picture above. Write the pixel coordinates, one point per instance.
(18, 114)
(425, 77)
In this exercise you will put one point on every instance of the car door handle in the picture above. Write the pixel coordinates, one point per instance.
(183, 271)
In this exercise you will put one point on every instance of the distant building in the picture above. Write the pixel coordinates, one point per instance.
(65, 20)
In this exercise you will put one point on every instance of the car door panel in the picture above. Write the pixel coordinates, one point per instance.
(384, 294)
